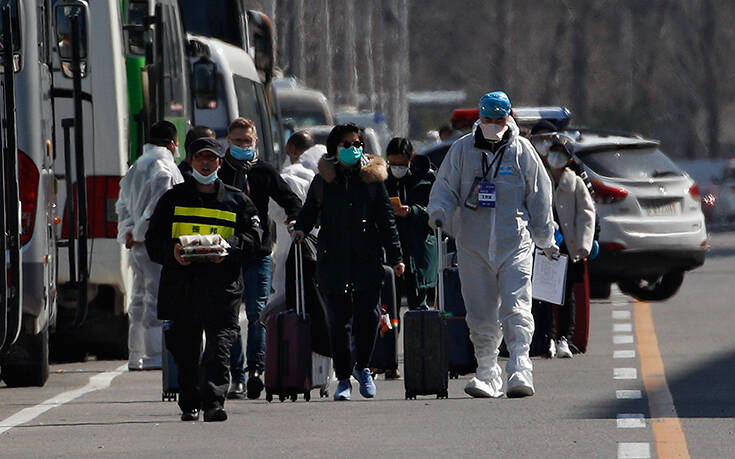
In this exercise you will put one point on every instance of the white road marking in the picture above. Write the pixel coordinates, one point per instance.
(622, 339)
(625, 373)
(624, 354)
(621, 303)
(634, 450)
(628, 394)
(621, 315)
(622, 328)
(96, 382)
(631, 421)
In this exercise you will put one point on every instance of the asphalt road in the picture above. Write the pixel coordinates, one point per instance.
(574, 413)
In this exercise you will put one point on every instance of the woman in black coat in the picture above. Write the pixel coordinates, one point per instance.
(349, 201)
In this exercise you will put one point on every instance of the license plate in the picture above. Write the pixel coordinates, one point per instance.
(664, 210)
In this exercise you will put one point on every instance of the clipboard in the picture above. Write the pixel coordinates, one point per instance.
(549, 279)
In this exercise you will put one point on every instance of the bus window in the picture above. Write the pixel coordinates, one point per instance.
(221, 19)
(174, 72)
(252, 104)
(15, 32)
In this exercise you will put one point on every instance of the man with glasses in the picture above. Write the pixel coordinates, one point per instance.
(261, 182)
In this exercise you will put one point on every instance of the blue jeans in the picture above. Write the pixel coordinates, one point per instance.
(256, 276)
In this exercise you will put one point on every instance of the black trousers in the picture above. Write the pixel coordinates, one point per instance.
(203, 379)
(354, 319)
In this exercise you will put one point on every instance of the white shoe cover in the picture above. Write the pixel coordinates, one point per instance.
(478, 388)
(520, 384)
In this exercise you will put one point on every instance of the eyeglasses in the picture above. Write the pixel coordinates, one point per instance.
(349, 144)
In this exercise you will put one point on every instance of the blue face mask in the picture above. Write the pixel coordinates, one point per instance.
(242, 153)
(349, 156)
(204, 179)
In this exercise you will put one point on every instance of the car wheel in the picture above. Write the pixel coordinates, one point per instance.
(600, 290)
(659, 289)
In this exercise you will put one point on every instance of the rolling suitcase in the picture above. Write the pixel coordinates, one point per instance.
(385, 353)
(288, 355)
(582, 311)
(169, 375)
(425, 367)
(321, 373)
(461, 352)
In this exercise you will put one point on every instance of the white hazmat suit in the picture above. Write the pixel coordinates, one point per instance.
(495, 248)
(154, 173)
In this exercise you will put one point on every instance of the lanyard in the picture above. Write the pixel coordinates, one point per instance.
(487, 167)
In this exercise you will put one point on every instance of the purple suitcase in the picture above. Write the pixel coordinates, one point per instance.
(288, 348)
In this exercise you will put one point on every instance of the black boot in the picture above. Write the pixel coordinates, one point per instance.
(255, 384)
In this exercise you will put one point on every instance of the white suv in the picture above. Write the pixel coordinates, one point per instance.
(651, 223)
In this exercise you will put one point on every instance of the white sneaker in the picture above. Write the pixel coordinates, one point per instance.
(562, 349)
(478, 388)
(520, 384)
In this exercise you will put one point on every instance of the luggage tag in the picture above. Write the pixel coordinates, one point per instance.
(486, 195)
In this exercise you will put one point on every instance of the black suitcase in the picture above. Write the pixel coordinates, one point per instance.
(385, 353)
(425, 359)
(169, 375)
(461, 351)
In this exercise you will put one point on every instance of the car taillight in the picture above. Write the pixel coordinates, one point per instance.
(694, 191)
(613, 246)
(28, 177)
(102, 193)
(607, 194)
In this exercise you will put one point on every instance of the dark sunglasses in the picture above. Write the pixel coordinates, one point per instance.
(349, 144)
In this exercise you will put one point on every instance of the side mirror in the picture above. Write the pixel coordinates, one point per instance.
(136, 27)
(261, 29)
(9, 20)
(71, 21)
(204, 83)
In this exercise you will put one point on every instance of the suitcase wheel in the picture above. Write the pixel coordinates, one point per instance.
(441, 395)
(323, 392)
(268, 396)
(453, 375)
(294, 397)
(281, 397)
(307, 396)
(169, 396)
(391, 374)
(410, 395)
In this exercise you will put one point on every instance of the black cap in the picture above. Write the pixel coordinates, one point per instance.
(207, 144)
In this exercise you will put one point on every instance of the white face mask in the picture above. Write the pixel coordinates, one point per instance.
(542, 147)
(399, 171)
(204, 179)
(493, 132)
(177, 154)
(557, 159)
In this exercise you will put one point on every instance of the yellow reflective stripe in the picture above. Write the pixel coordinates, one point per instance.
(206, 213)
(185, 229)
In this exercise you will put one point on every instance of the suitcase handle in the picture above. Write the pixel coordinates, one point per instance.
(299, 266)
(441, 248)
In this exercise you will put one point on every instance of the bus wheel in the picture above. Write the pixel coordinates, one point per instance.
(28, 364)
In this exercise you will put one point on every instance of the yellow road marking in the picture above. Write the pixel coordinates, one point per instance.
(667, 429)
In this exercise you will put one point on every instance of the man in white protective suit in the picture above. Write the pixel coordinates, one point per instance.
(152, 174)
(495, 195)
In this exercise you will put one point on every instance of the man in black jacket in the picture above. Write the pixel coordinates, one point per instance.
(197, 132)
(202, 296)
(261, 182)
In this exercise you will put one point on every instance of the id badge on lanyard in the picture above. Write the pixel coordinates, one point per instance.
(486, 195)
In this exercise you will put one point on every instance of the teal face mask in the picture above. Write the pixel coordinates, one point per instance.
(349, 156)
(242, 153)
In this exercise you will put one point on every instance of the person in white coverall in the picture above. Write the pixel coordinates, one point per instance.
(152, 174)
(495, 196)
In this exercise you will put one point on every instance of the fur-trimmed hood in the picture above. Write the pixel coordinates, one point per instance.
(373, 169)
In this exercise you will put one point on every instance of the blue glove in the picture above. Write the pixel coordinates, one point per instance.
(595, 250)
(558, 237)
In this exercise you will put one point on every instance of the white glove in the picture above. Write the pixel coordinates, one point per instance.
(552, 253)
(436, 219)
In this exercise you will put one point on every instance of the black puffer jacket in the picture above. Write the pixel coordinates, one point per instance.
(357, 222)
(202, 288)
(261, 182)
